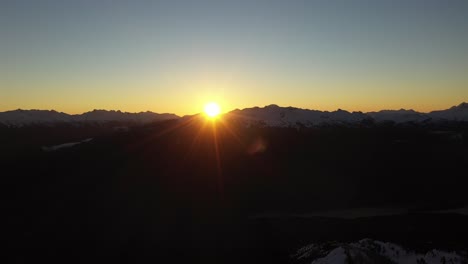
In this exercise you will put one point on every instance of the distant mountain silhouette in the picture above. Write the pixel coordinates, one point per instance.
(29, 117)
(273, 115)
(399, 116)
(458, 113)
(270, 115)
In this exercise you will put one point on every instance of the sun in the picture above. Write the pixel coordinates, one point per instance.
(212, 109)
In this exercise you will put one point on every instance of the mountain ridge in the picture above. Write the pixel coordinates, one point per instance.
(269, 115)
(274, 115)
(22, 117)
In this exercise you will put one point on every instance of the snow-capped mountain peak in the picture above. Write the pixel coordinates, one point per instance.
(270, 115)
(457, 113)
(373, 251)
(399, 116)
(274, 115)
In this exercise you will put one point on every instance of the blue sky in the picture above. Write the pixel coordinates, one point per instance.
(173, 56)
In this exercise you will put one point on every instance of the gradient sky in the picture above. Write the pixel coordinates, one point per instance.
(173, 56)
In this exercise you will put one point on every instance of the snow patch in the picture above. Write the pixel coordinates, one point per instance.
(373, 251)
(65, 145)
(276, 116)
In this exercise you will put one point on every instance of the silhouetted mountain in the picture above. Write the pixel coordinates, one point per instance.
(105, 116)
(275, 116)
(455, 113)
(33, 117)
(271, 115)
(22, 117)
(399, 116)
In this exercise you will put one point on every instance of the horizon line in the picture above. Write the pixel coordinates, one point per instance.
(179, 115)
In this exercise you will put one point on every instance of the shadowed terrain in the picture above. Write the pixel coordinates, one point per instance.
(218, 191)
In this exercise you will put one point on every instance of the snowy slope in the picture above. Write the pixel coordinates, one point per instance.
(274, 115)
(373, 251)
(65, 145)
(399, 116)
(271, 115)
(457, 113)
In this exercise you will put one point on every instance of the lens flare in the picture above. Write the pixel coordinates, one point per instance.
(212, 109)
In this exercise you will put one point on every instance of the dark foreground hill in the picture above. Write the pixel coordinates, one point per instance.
(220, 192)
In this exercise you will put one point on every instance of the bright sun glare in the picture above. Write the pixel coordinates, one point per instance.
(212, 109)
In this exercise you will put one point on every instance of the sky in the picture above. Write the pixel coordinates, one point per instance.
(174, 56)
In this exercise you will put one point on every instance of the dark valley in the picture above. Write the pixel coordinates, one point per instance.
(231, 190)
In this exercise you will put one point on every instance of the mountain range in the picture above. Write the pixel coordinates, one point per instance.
(271, 115)
(18, 118)
(372, 251)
